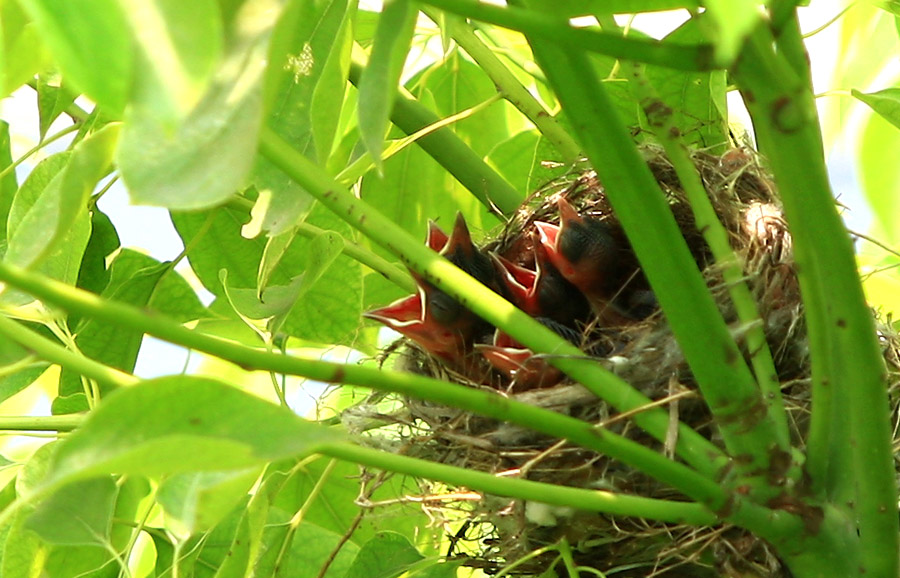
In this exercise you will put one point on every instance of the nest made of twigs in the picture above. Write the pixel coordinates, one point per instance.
(645, 354)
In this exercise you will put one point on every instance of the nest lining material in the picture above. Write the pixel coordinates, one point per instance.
(645, 354)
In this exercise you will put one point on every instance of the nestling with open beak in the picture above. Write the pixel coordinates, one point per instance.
(585, 252)
(433, 319)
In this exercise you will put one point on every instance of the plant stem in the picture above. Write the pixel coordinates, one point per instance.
(696, 485)
(555, 29)
(375, 262)
(695, 450)
(58, 354)
(510, 87)
(58, 423)
(716, 236)
(848, 369)
(641, 207)
(590, 500)
(491, 189)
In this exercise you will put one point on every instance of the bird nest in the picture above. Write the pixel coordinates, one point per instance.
(636, 344)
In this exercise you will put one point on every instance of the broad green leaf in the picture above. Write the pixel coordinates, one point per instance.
(165, 555)
(387, 555)
(214, 242)
(94, 273)
(22, 53)
(456, 84)
(81, 561)
(378, 85)
(90, 41)
(322, 252)
(205, 553)
(194, 502)
(522, 160)
(306, 53)
(274, 299)
(13, 383)
(696, 99)
(880, 176)
(335, 508)
(309, 548)
(43, 216)
(132, 491)
(8, 184)
(204, 159)
(884, 102)
(53, 100)
(133, 279)
(249, 530)
(328, 95)
(329, 309)
(178, 47)
(23, 552)
(728, 25)
(182, 424)
(6, 463)
(861, 28)
(78, 513)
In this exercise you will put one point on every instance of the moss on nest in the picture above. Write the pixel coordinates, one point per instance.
(644, 353)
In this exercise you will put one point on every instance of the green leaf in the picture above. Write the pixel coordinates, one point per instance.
(250, 525)
(22, 54)
(178, 47)
(729, 23)
(6, 463)
(521, 160)
(8, 184)
(94, 274)
(456, 84)
(194, 502)
(13, 383)
(884, 102)
(44, 215)
(78, 513)
(274, 300)
(335, 508)
(23, 553)
(133, 280)
(53, 100)
(387, 555)
(308, 71)
(379, 81)
(697, 99)
(329, 309)
(182, 424)
(309, 548)
(880, 175)
(90, 41)
(80, 561)
(204, 159)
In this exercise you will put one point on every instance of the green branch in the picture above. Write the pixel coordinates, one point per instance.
(373, 261)
(491, 189)
(56, 353)
(57, 423)
(575, 498)
(510, 87)
(714, 358)
(848, 370)
(659, 114)
(548, 27)
(695, 450)
(485, 402)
